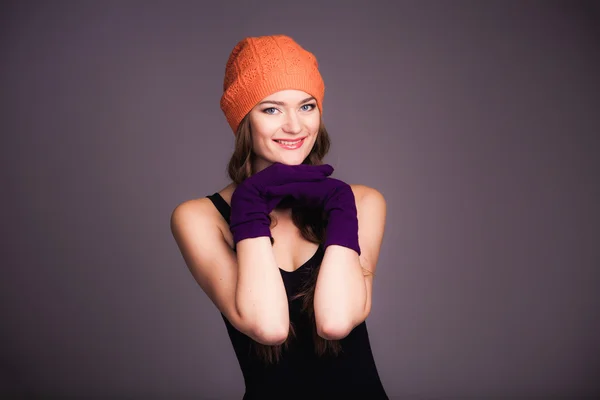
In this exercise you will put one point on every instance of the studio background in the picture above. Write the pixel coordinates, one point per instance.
(478, 121)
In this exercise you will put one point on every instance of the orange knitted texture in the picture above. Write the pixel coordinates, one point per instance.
(260, 66)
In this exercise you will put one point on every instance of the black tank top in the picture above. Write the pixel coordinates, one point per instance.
(300, 373)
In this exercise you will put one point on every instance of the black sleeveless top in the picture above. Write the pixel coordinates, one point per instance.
(300, 373)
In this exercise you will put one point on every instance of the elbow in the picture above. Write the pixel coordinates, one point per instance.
(334, 327)
(334, 330)
(267, 328)
(270, 334)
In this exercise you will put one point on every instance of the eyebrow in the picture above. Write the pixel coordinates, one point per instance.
(281, 103)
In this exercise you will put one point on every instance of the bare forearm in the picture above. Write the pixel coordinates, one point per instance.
(261, 298)
(340, 295)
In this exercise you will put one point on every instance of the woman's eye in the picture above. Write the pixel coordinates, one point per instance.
(270, 110)
(311, 106)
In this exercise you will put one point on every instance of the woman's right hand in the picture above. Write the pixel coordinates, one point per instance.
(251, 205)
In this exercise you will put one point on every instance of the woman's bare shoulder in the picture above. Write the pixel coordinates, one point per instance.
(363, 191)
(201, 208)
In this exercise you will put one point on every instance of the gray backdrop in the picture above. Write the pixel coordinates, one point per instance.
(478, 121)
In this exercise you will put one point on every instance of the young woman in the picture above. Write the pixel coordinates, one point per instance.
(286, 252)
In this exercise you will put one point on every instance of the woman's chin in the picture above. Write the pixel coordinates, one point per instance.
(282, 160)
(290, 163)
(295, 160)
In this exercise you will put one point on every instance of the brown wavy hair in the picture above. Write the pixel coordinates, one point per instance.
(311, 224)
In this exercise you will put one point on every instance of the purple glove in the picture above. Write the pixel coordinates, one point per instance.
(335, 198)
(250, 205)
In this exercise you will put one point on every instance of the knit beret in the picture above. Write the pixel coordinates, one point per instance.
(260, 66)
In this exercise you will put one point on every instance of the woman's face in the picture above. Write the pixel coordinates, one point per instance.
(284, 128)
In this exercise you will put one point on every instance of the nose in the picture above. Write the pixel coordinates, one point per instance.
(292, 123)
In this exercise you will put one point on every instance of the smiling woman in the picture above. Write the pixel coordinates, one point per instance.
(286, 252)
(284, 120)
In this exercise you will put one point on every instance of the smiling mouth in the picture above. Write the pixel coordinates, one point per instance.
(290, 144)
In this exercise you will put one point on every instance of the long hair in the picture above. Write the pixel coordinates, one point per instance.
(311, 224)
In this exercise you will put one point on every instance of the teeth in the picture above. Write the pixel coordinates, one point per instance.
(288, 143)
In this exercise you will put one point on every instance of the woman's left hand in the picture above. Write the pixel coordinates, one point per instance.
(336, 198)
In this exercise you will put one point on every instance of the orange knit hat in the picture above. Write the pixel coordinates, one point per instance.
(260, 66)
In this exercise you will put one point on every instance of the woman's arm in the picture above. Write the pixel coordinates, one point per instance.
(250, 294)
(343, 293)
(261, 296)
